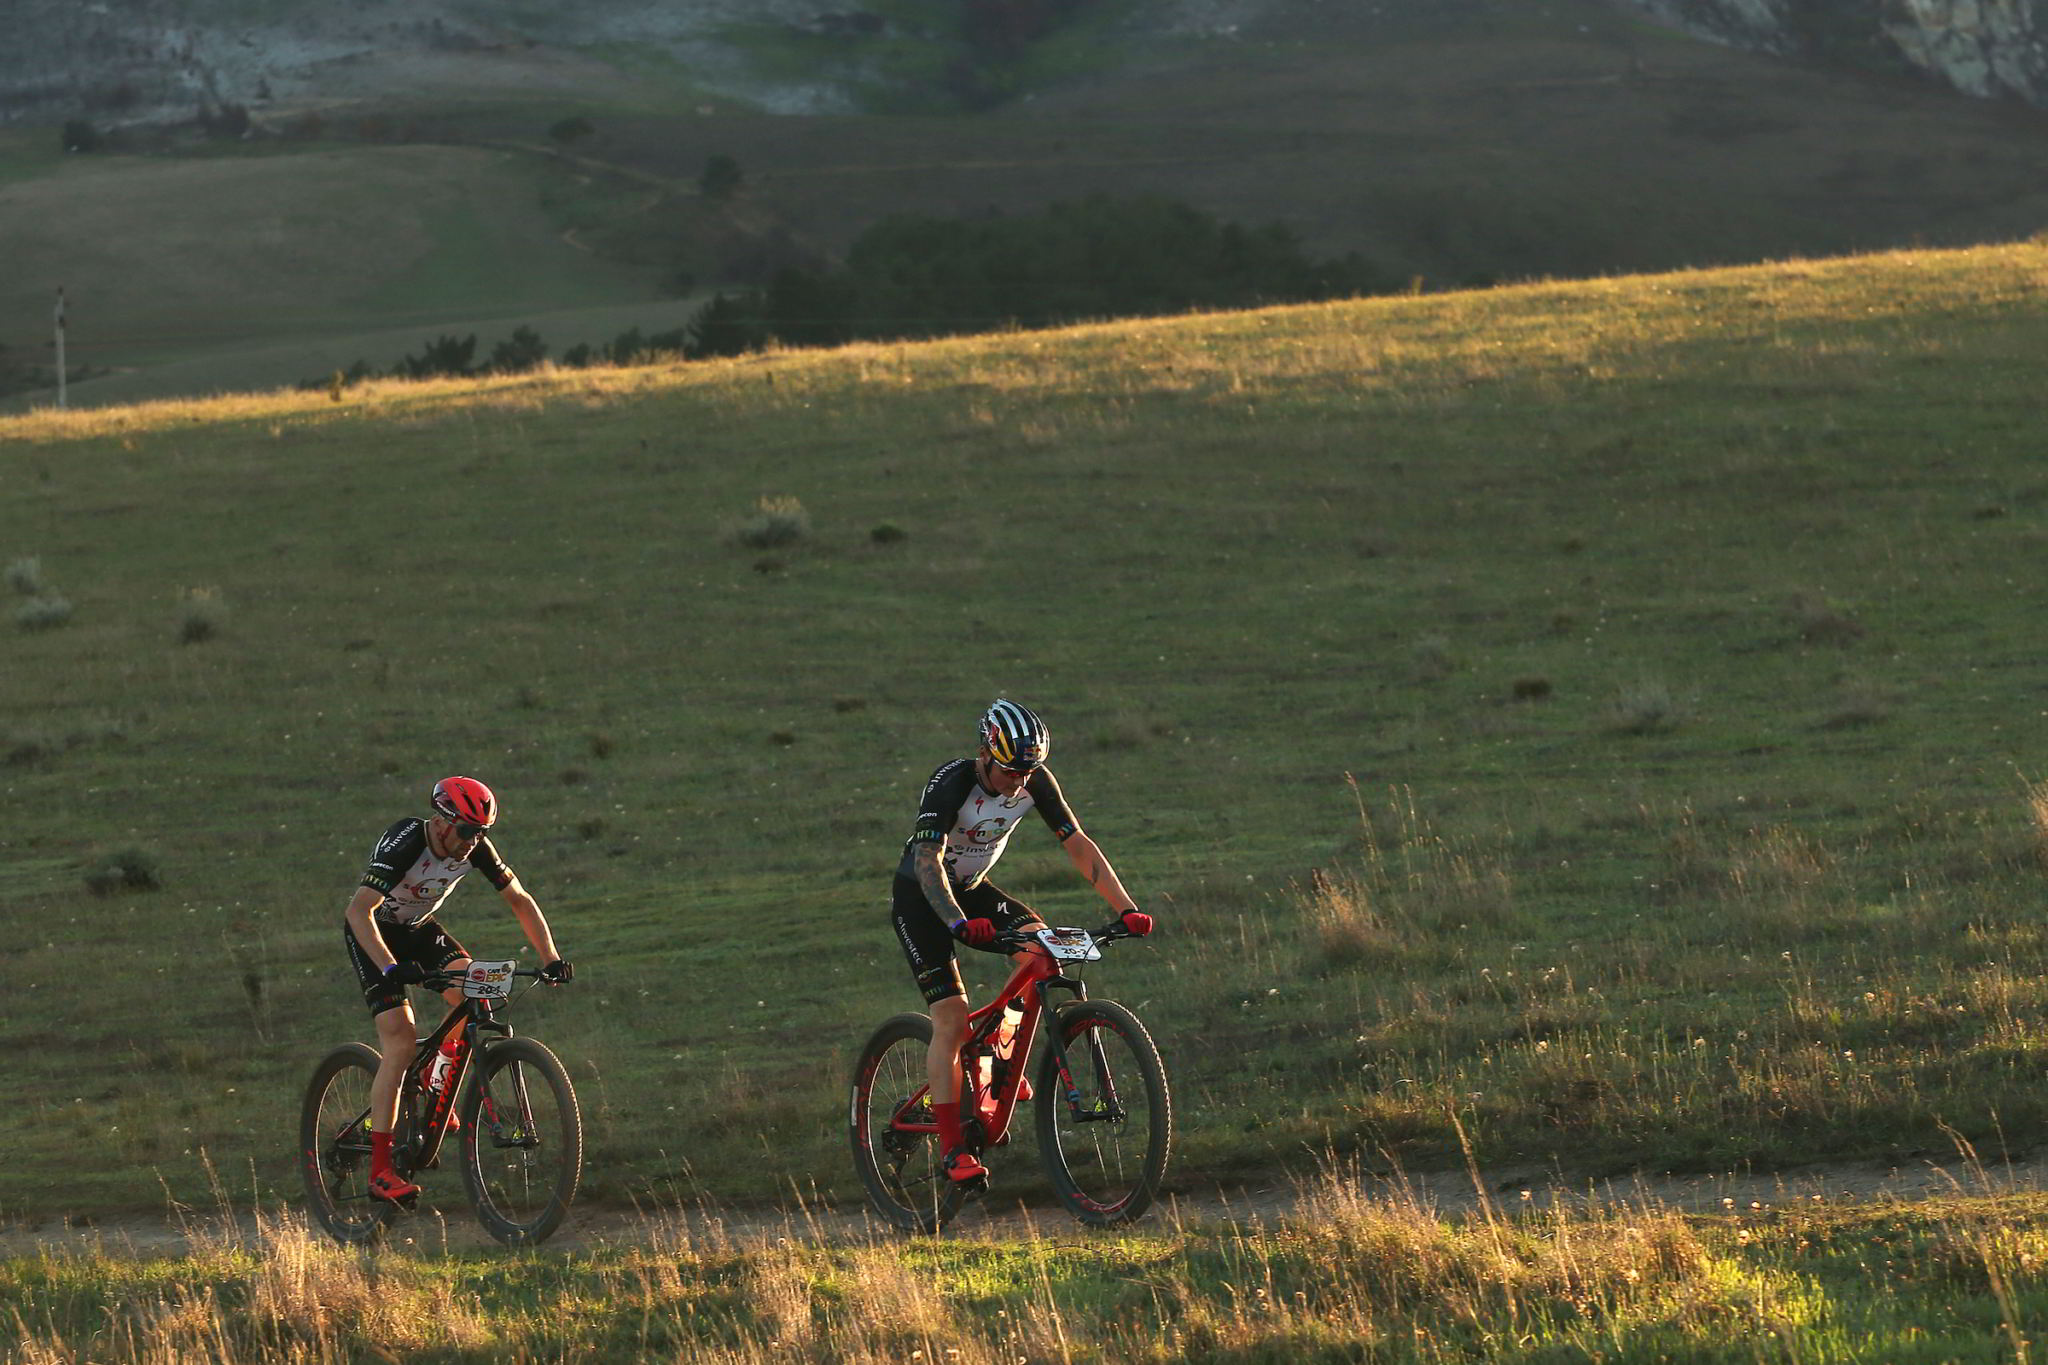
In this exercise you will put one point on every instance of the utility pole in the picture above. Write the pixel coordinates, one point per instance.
(60, 346)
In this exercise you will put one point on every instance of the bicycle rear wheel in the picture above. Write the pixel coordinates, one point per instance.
(1106, 1122)
(521, 1141)
(903, 1171)
(334, 1146)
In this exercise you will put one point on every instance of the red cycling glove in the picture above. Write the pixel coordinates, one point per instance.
(976, 933)
(1137, 923)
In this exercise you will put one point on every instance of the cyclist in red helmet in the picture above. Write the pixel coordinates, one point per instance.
(971, 806)
(394, 940)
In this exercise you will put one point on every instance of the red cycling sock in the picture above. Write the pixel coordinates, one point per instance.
(948, 1115)
(380, 1152)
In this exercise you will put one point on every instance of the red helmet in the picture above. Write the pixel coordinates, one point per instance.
(467, 800)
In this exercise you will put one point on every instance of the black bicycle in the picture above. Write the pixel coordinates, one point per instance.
(518, 1134)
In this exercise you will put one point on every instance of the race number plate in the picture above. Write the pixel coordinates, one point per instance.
(488, 980)
(1070, 945)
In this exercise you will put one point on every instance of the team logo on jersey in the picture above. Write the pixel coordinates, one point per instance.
(987, 831)
(431, 888)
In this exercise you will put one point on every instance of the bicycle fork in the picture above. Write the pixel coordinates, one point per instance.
(1106, 1108)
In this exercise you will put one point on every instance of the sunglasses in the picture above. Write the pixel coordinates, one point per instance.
(1018, 769)
(465, 830)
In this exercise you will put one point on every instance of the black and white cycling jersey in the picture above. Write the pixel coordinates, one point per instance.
(974, 823)
(414, 881)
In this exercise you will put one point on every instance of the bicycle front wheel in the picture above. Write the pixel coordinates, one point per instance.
(334, 1146)
(1105, 1120)
(903, 1171)
(522, 1141)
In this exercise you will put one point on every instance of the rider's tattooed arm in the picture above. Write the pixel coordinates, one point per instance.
(931, 879)
(1091, 863)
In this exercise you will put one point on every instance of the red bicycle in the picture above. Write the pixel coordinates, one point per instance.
(1104, 1117)
(520, 1135)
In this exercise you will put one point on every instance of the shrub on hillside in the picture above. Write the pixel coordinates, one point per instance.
(201, 615)
(128, 869)
(29, 746)
(1646, 708)
(25, 576)
(777, 521)
(728, 325)
(80, 136)
(46, 611)
(518, 353)
(446, 355)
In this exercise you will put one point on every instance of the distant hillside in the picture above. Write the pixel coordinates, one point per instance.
(1448, 144)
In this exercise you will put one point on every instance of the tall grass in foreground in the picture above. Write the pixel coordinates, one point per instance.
(1353, 1270)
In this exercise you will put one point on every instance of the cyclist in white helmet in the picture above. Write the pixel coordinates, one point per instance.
(942, 893)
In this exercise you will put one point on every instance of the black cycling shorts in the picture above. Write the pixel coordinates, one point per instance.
(424, 942)
(929, 943)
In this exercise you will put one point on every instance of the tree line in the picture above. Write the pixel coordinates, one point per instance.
(915, 276)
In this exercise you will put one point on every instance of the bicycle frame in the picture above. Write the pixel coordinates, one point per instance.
(472, 1018)
(1031, 986)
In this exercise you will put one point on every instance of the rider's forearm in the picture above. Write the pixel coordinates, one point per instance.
(931, 879)
(1095, 867)
(532, 922)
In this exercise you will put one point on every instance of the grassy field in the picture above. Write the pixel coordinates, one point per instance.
(168, 260)
(1598, 718)
(1358, 1272)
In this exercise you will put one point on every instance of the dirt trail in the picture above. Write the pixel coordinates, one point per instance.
(451, 1227)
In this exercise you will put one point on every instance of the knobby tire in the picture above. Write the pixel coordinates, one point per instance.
(521, 1141)
(903, 1172)
(334, 1156)
(1106, 1169)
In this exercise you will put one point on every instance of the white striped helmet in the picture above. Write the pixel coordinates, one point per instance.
(1015, 736)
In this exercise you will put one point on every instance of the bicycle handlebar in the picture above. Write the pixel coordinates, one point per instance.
(1108, 933)
(446, 980)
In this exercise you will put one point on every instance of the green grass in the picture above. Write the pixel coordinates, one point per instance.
(1275, 579)
(1357, 1272)
(25, 153)
(326, 243)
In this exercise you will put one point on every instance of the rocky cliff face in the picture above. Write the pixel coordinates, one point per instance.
(134, 60)
(1990, 48)
(128, 60)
